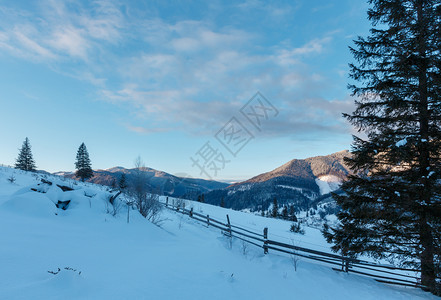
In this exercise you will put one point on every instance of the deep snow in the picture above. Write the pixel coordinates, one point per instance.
(328, 183)
(182, 259)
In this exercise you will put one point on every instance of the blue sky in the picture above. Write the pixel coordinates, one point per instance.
(159, 79)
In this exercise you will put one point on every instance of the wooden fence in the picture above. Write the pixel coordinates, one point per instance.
(383, 273)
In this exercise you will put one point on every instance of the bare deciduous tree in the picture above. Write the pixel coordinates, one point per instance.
(116, 207)
(146, 202)
(294, 257)
(244, 248)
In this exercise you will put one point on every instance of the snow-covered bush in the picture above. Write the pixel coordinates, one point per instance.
(296, 228)
(11, 178)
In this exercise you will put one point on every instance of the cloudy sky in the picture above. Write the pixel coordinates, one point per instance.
(173, 81)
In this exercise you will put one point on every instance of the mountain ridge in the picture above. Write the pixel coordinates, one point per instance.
(157, 181)
(297, 182)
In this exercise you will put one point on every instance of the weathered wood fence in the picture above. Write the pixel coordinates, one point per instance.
(383, 273)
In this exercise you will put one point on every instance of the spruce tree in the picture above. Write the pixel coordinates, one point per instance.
(25, 161)
(391, 207)
(285, 212)
(275, 210)
(82, 163)
(122, 184)
(292, 213)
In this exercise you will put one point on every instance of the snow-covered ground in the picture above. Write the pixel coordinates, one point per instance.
(328, 183)
(100, 256)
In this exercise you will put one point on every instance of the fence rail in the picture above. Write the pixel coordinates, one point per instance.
(388, 274)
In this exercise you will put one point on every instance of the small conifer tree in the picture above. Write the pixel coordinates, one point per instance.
(285, 212)
(82, 164)
(292, 213)
(25, 161)
(275, 210)
(122, 182)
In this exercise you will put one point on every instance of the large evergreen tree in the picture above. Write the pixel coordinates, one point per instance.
(25, 161)
(391, 207)
(82, 163)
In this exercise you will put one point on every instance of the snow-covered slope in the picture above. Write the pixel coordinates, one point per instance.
(94, 255)
(328, 183)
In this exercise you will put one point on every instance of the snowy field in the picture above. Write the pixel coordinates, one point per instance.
(100, 256)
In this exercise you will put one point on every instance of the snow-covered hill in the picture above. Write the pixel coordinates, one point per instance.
(85, 252)
(328, 183)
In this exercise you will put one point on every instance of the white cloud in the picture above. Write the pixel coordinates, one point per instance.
(185, 44)
(191, 73)
(272, 9)
(292, 56)
(59, 29)
(71, 41)
(27, 45)
(204, 90)
(105, 24)
(172, 107)
(144, 130)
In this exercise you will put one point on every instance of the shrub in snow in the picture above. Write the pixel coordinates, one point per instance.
(54, 272)
(63, 204)
(294, 257)
(65, 268)
(11, 179)
(179, 203)
(297, 228)
(146, 203)
(244, 248)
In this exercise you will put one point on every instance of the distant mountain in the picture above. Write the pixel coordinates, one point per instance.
(158, 181)
(298, 182)
(302, 182)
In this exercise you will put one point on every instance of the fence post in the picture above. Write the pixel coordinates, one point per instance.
(166, 202)
(229, 224)
(191, 212)
(345, 264)
(265, 240)
(208, 220)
